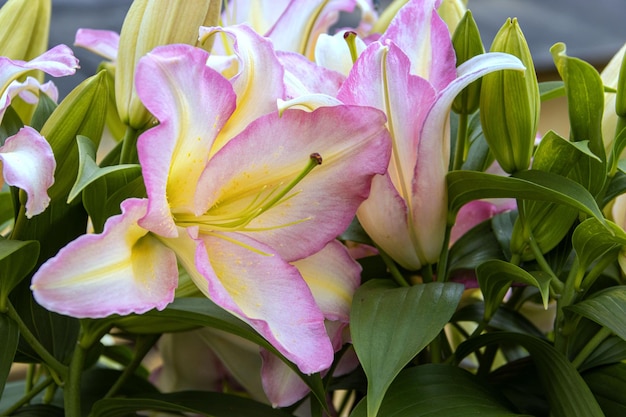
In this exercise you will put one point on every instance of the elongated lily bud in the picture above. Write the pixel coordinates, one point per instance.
(150, 23)
(24, 26)
(452, 12)
(510, 103)
(467, 44)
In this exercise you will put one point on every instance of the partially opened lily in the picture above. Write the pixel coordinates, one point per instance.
(235, 213)
(410, 74)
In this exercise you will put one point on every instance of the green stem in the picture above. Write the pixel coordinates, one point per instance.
(71, 390)
(29, 396)
(427, 273)
(442, 265)
(461, 142)
(142, 347)
(591, 277)
(567, 297)
(591, 345)
(129, 146)
(57, 368)
(393, 269)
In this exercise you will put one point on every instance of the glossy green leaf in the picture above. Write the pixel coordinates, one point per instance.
(616, 187)
(607, 308)
(503, 319)
(618, 146)
(187, 313)
(89, 171)
(17, 258)
(611, 350)
(474, 247)
(10, 335)
(390, 325)
(7, 210)
(466, 186)
(479, 156)
(45, 107)
(551, 89)
(439, 391)
(585, 102)
(567, 392)
(591, 240)
(495, 278)
(212, 404)
(607, 384)
(10, 124)
(585, 93)
(102, 198)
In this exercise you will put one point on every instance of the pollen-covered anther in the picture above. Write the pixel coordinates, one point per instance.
(316, 157)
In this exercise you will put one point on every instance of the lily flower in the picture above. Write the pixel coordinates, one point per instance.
(235, 214)
(333, 277)
(27, 159)
(410, 74)
(295, 25)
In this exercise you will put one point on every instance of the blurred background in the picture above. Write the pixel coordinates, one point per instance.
(592, 30)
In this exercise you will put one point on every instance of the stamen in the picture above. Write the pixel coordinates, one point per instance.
(262, 202)
(350, 38)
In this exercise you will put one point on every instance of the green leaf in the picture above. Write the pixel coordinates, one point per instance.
(585, 102)
(616, 187)
(592, 240)
(551, 89)
(103, 197)
(196, 402)
(474, 247)
(10, 124)
(567, 392)
(607, 384)
(439, 391)
(45, 107)
(187, 313)
(7, 210)
(607, 308)
(611, 350)
(17, 259)
(479, 156)
(504, 318)
(89, 171)
(495, 278)
(40, 410)
(466, 186)
(390, 325)
(10, 335)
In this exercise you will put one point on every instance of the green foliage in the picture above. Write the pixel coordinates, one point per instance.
(390, 325)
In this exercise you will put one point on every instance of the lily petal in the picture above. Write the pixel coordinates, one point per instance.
(58, 61)
(101, 42)
(419, 31)
(121, 271)
(353, 144)
(251, 281)
(429, 215)
(310, 18)
(305, 77)
(28, 163)
(384, 216)
(258, 83)
(332, 52)
(192, 102)
(28, 91)
(333, 277)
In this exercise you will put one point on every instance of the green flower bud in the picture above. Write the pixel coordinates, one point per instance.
(510, 103)
(25, 25)
(150, 23)
(620, 97)
(467, 44)
(452, 12)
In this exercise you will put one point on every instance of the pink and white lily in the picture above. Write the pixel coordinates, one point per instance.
(410, 74)
(27, 159)
(295, 25)
(236, 212)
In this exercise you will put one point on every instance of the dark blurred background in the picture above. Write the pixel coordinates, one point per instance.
(593, 30)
